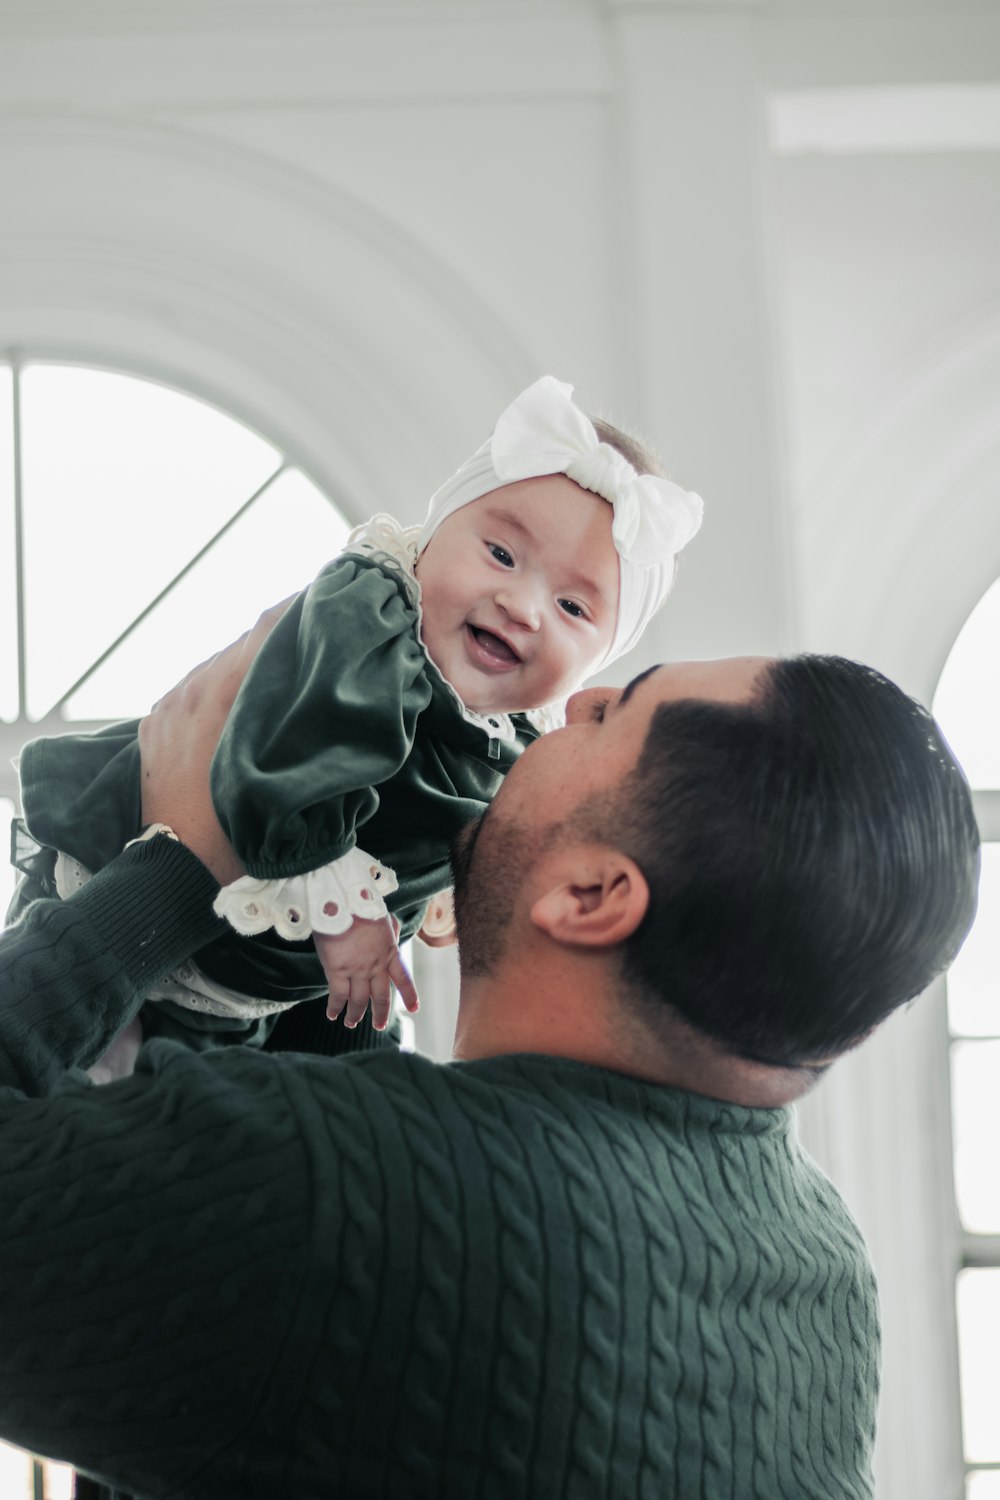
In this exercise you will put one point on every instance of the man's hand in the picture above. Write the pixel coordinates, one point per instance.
(360, 963)
(177, 740)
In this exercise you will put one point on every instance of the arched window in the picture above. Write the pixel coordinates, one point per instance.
(140, 530)
(968, 703)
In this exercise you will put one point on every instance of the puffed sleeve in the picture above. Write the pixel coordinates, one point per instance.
(326, 713)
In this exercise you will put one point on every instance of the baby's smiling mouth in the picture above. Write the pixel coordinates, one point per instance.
(494, 647)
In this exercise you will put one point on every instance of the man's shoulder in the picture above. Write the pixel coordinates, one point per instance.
(401, 1074)
(510, 1093)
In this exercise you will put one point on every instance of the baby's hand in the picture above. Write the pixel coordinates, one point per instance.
(360, 963)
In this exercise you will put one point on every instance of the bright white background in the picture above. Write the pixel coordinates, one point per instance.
(766, 234)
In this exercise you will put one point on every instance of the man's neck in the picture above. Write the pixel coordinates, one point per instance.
(578, 1014)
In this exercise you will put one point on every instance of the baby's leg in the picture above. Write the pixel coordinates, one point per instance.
(119, 1060)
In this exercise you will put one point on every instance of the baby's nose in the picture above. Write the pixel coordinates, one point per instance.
(521, 605)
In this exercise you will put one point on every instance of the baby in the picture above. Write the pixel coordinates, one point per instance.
(380, 715)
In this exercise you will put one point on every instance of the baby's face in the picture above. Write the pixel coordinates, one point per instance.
(520, 593)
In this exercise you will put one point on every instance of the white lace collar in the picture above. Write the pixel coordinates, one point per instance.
(395, 546)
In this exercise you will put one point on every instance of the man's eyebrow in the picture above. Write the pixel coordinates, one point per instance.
(630, 689)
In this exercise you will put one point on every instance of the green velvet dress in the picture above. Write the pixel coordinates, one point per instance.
(343, 735)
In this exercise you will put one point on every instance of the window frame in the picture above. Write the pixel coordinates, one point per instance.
(14, 732)
(976, 1251)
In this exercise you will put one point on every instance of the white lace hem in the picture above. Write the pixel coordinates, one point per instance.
(323, 900)
(439, 918)
(186, 986)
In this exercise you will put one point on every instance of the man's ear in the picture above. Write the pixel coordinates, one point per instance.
(596, 899)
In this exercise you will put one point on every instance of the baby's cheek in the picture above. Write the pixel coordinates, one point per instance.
(559, 682)
(429, 623)
(578, 669)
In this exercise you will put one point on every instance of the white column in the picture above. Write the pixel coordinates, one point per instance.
(695, 304)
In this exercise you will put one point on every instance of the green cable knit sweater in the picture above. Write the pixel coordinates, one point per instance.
(241, 1276)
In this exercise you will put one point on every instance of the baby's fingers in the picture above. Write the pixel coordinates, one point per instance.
(400, 976)
(339, 995)
(358, 1002)
(381, 997)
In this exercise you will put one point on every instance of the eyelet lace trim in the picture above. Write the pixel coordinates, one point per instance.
(324, 900)
(439, 918)
(70, 876)
(396, 547)
(187, 986)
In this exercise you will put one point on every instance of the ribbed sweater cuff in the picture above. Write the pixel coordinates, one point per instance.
(153, 907)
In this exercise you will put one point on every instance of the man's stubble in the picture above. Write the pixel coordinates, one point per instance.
(488, 859)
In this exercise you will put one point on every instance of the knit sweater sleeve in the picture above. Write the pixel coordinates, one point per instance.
(327, 712)
(153, 1235)
(152, 1231)
(73, 973)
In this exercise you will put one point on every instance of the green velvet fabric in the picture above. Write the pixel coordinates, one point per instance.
(342, 735)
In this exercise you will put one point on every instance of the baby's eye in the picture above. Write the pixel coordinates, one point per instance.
(501, 554)
(572, 608)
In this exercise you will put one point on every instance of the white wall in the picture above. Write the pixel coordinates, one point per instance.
(886, 234)
(364, 228)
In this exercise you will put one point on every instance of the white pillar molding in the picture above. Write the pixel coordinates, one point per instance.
(694, 268)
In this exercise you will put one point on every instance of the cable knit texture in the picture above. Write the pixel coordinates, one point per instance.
(238, 1276)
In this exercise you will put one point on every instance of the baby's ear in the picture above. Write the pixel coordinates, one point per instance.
(596, 898)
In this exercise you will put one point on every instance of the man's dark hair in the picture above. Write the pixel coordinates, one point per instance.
(812, 858)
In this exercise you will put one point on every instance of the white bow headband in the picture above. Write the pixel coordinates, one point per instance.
(543, 432)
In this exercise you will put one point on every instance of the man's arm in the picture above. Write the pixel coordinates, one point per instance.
(178, 739)
(74, 972)
(155, 1236)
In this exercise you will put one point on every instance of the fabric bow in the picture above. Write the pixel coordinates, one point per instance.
(542, 432)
